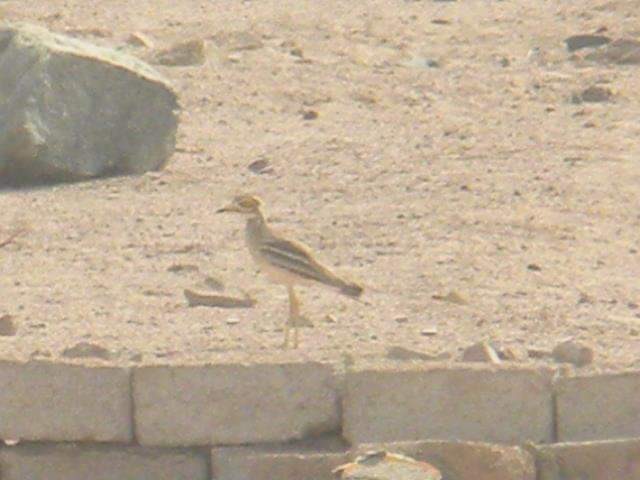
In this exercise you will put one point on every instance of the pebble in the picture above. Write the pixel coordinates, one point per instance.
(481, 352)
(86, 350)
(574, 352)
(397, 352)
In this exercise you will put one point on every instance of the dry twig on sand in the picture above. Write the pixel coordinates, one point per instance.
(13, 235)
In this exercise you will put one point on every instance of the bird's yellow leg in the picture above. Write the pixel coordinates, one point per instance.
(294, 314)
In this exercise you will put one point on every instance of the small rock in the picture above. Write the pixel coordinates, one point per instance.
(260, 167)
(309, 115)
(398, 352)
(214, 283)
(593, 94)
(189, 52)
(182, 268)
(138, 39)
(8, 327)
(421, 62)
(234, 57)
(429, 332)
(86, 350)
(573, 352)
(534, 267)
(536, 56)
(577, 42)
(195, 299)
(623, 51)
(401, 319)
(39, 144)
(584, 298)
(11, 442)
(451, 297)
(232, 321)
(480, 352)
(330, 318)
(508, 354)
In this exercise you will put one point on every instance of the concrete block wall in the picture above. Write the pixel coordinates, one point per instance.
(299, 420)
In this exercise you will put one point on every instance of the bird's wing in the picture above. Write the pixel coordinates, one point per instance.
(297, 259)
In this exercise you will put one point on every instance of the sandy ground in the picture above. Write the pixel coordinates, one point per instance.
(476, 176)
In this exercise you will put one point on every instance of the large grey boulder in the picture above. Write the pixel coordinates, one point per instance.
(70, 110)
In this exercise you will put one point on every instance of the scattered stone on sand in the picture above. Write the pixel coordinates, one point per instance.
(183, 54)
(113, 115)
(429, 332)
(574, 352)
(8, 327)
(329, 318)
(309, 115)
(622, 51)
(260, 167)
(398, 352)
(86, 350)
(138, 39)
(508, 354)
(592, 94)
(182, 268)
(451, 297)
(480, 352)
(213, 283)
(577, 42)
(195, 299)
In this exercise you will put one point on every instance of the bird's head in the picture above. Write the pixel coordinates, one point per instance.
(248, 205)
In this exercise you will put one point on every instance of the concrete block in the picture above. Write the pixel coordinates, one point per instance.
(234, 403)
(101, 462)
(54, 401)
(466, 460)
(473, 403)
(598, 407)
(609, 460)
(271, 462)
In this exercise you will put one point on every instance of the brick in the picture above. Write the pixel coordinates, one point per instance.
(607, 460)
(466, 460)
(54, 401)
(473, 403)
(100, 462)
(598, 407)
(234, 404)
(271, 462)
